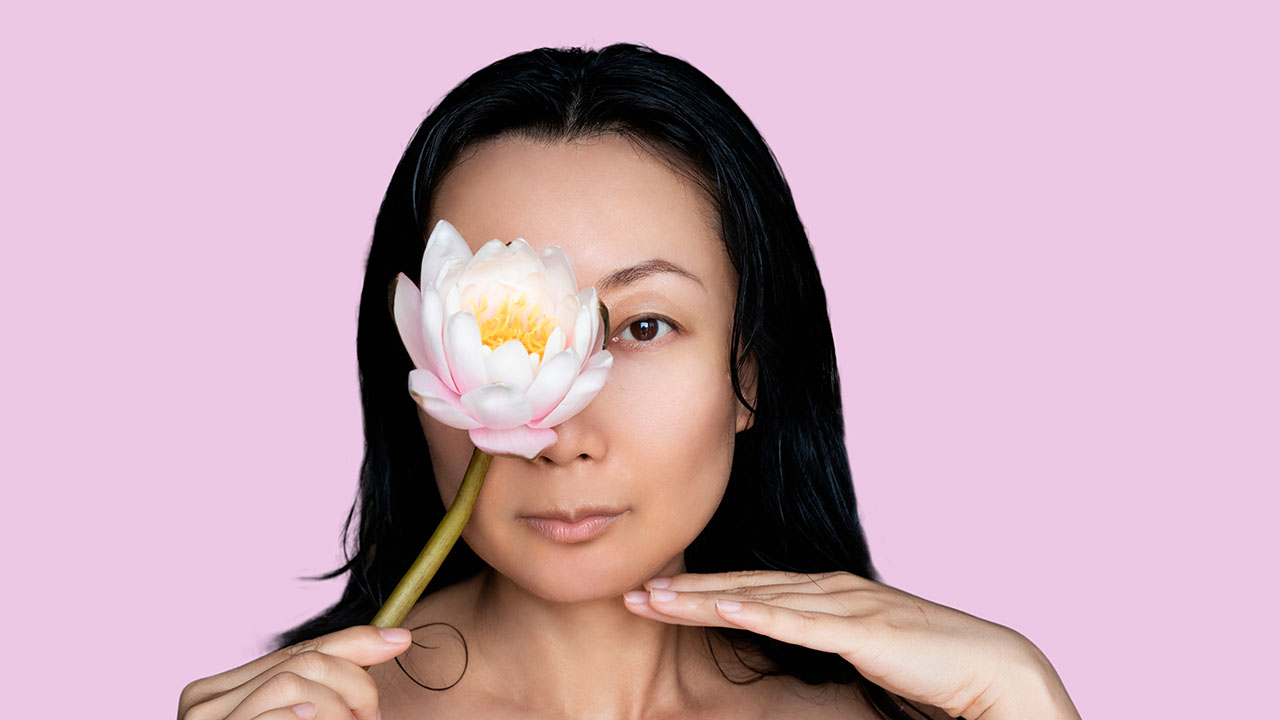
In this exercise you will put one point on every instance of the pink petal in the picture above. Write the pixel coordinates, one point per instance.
(407, 310)
(552, 383)
(462, 351)
(500, 406)
(444, 243)
(439, 401)
(433, 337)
(583, 391)
(524, 441)
(509, 364)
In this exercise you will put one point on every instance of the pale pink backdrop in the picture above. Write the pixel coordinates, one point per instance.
(1048, 234)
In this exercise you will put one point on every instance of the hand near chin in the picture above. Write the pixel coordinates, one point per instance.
(914, 648)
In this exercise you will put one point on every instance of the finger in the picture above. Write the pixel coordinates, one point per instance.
(829, 586)
(846, 604)
(361, 644)
(285, 690)
(811, 629)
(829, 632)
(354, 686)
(739, 579)
(301, 710)
(637, 602)
(701, 607)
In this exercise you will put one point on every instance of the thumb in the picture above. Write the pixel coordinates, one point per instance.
(363, 645)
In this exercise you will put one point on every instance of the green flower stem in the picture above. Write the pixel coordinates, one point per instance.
(410, 587)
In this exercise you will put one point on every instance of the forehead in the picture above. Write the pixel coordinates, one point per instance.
(607, 202)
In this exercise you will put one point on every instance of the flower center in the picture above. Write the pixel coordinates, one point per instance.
(514, 320)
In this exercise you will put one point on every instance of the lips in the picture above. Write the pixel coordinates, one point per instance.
(575, 525)
(575, 514)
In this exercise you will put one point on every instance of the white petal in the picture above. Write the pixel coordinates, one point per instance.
(433, 337)
(462, 349)
(449, 273)
(555, 342)
(498, 405)
(582, 334)
(469, 297)
(453, 301)
(601, 358)
(510, 364)
(407, 311)
(439, 401)
(554, 380)
(520, 261)
(559, 271)
(444, 243)
(583, 391)
(524, 441)
(567, 313)
(495, 249)
(535, 287)
(591, 301)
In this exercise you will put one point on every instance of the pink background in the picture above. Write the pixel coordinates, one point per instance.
(1048, 233)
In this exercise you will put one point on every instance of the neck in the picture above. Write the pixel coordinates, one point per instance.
(586, 659)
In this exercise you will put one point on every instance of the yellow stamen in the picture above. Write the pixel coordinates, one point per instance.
(514, 320)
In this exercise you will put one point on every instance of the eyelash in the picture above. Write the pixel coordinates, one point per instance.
(640, 343)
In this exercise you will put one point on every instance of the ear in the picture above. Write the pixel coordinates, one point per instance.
(749, 377)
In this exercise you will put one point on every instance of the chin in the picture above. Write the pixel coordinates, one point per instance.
(562, 577)
(575, 573)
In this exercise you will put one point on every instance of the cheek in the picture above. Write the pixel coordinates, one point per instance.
(677, 405)
(677, 432)
(450, 450)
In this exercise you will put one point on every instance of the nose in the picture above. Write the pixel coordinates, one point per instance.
(578, 439)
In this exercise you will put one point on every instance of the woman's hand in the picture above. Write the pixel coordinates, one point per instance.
(321, 679)
(914, 648)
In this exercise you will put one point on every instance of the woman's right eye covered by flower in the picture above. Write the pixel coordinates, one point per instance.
(503, 342)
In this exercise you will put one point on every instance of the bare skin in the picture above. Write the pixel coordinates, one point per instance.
(485, 689)
(547, 630)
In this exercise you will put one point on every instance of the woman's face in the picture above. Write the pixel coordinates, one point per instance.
(657, 442)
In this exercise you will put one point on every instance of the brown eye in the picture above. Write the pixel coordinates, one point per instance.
(645, 330)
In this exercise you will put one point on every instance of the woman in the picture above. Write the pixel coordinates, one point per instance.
(734, 579)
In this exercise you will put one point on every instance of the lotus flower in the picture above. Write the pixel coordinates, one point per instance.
(503, 343)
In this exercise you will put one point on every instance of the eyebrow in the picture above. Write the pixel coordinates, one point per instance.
(635, 273)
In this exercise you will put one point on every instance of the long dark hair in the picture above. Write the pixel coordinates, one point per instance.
(790, 503)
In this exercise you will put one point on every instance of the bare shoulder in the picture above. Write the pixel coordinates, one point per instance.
(436, 661)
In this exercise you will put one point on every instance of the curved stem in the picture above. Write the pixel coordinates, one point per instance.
(410, 587)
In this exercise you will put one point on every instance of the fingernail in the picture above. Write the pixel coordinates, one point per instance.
(660, 595)
(395, 636)
(304, 710)
(636, 596)
(658, 583)
(728, 606)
